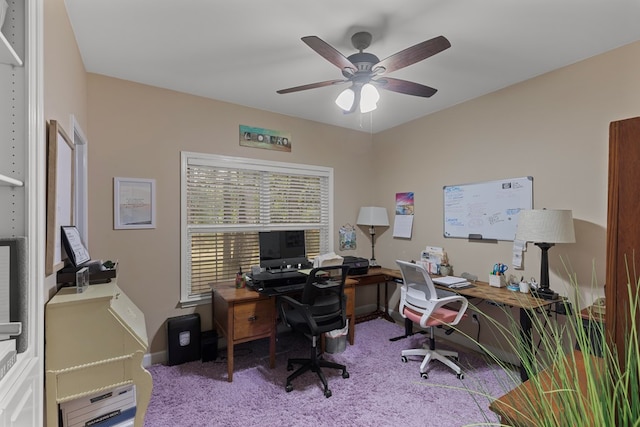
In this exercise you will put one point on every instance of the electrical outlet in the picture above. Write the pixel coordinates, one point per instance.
(474, 318)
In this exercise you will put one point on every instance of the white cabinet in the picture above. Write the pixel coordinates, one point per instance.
(95, 341)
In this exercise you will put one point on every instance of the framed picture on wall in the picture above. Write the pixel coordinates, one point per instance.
(134, 203)
(60, 192)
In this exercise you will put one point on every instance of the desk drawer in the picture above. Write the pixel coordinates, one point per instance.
(252, 319)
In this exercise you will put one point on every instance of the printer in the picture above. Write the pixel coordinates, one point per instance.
(358, 265)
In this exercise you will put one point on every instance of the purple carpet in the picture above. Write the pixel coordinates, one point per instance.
(381, 390)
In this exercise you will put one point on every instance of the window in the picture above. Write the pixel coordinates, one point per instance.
(227, 201)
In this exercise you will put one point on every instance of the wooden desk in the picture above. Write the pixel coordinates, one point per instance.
(243, 315)
(525, 302)
(593, 324)
(550, 394)
(376, 276)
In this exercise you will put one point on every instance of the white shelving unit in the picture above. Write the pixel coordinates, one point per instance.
(7, 54)
(21, 192)
(6, 180)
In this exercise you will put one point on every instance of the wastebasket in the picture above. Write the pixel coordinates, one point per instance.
(336, 341)
(209, 345)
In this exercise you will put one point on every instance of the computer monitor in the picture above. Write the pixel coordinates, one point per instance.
(282, 248)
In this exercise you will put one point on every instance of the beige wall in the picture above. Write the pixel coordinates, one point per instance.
(65, 79)
(138, 131)
(553, 127)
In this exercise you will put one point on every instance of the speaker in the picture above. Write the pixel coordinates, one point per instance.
(183, 339)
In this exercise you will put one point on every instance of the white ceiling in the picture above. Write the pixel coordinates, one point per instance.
(242, 51)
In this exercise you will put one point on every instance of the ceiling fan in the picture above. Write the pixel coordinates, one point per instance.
(364, 69)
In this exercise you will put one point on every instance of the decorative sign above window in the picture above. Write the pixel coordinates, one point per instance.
(265, 138)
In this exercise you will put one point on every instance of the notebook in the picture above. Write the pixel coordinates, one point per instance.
(451, 281)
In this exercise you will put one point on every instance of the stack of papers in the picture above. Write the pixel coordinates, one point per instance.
(451, 281)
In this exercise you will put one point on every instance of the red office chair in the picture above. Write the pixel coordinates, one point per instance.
(421, 303)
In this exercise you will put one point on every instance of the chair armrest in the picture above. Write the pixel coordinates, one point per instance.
(446, 300)
(296, 305)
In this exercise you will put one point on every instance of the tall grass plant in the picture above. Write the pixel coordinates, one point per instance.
(588, 387)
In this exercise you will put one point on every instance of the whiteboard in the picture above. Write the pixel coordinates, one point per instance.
(486, 210)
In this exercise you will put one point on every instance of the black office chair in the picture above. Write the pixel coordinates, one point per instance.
(321, 308)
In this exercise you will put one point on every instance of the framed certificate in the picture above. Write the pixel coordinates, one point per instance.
(72, 242)
(134, 203)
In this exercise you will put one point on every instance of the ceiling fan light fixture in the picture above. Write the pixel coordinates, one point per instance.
(369, 97)
(345, 99)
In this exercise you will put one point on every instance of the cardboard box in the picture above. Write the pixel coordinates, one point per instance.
(109, 407)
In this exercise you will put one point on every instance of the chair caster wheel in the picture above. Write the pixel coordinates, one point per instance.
(345, 374)
(424, 375)
(460, 376)
(288, 388)
(404, 359)
(289, 367)
(327, 393)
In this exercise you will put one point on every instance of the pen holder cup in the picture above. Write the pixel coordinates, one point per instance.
(497, 281)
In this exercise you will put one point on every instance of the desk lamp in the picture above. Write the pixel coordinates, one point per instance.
(545, 228)
(372, 216)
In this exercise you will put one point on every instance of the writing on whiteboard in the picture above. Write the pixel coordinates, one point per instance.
(486, 210)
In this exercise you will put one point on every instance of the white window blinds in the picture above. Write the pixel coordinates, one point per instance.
(227, 201)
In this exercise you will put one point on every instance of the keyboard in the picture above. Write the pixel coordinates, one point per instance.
(289, 288)
(283, 270)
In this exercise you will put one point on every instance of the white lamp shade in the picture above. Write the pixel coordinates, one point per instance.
(369, 97)
(371, 215)
(545, 226)
(345, 99)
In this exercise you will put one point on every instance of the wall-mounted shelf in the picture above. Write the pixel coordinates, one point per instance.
(7, 54)
(5, 180)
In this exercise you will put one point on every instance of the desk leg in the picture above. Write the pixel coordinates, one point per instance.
(525, 339)
(384, 314)
(272, 341)
(387, 315)
(229, 361)
(352, 329)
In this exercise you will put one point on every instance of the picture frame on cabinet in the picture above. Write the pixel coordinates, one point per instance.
(73, 246)
(134, 203)
(60, 193)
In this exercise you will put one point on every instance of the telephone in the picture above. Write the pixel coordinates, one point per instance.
(598, 306)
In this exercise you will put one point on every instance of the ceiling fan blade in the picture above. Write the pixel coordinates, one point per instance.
(403, 86)
(412, 54)
(312, 86)
(329, 53)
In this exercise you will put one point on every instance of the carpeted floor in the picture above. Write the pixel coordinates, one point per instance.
(381, 390)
